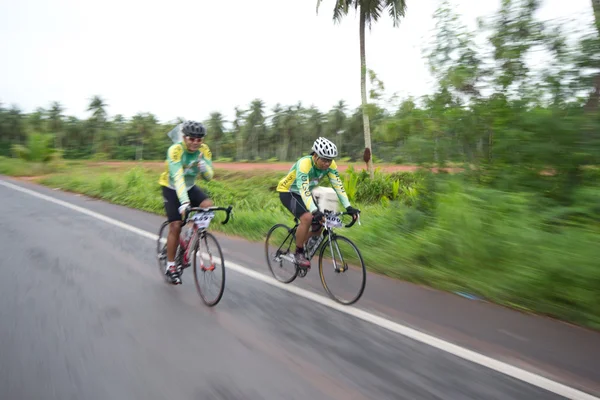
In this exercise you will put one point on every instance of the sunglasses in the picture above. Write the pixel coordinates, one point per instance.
(193, 139)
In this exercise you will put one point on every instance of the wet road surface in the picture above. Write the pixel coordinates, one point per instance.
(84, 314)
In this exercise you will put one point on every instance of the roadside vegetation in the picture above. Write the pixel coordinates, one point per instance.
(518, 224)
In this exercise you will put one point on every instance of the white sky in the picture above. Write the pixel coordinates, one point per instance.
(191, 57)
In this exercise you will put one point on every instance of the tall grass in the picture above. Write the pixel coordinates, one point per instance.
(20, 167)
(509, 247)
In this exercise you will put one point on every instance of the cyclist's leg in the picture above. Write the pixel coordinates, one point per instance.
(198, 198)
(306, 227)
(293, 202)
(303, 231)
(171, 203)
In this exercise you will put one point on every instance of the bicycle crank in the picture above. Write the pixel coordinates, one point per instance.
(302, 272)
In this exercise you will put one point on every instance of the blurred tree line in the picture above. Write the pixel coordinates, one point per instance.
(516, 105)
(516, 97)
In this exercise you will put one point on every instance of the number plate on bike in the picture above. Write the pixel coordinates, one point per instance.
(203, 220)
(333, 221)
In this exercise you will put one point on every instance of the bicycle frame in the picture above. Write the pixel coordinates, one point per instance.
(199, 226)
(324, 239)
(328, 229)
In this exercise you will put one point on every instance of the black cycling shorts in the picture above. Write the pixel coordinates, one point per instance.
(171, 201)
(293, 202)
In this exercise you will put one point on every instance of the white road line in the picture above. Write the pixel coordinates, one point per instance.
(477, 358)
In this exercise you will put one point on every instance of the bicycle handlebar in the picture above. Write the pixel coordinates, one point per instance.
(327, 212)
(207, 209)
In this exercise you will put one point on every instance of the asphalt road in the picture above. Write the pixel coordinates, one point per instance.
(84, 314)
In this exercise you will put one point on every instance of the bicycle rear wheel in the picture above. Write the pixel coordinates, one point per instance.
(342, 269)
(209, 264)
(280, 246)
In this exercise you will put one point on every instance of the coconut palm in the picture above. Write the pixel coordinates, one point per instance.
(369, 11)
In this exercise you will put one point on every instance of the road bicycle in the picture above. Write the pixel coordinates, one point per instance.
(279, 253)
(191, 245)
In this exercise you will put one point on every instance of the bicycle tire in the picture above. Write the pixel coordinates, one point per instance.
(273, 228)
(362, 264)
(220, 260)
(162, 259)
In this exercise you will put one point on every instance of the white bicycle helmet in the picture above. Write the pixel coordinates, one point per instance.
(325, 148)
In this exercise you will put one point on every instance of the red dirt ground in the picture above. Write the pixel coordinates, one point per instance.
(279, 166)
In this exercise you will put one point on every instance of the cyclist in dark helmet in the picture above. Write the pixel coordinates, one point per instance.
(185, 160)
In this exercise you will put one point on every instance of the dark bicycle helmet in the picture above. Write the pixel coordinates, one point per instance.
(193, 129)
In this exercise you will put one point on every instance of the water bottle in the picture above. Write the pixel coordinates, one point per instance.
(313, 244)
(186, 237)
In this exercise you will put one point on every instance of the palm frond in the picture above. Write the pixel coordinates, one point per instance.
(372, 9)
(341, 9)
(397, 10)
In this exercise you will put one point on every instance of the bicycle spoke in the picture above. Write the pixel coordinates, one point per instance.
(343, 266)
(280, 246)
(209, 266)
(347, 281)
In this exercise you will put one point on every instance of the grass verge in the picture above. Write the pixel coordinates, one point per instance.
(506, 247)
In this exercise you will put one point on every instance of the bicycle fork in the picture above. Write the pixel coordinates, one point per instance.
(332, 243)
(336, 268)
(187, 252)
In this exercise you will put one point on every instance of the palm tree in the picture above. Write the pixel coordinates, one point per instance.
(14, 121)
(55, 121)
(290, 126)
(216, 129)
(594, 96)
(36, 119)
(336, 121)
(143, 125)
(98, 107)
(255, 128)
(596, 10)
(98, 120)
(275, 136)
(370, 11)
(238, 132)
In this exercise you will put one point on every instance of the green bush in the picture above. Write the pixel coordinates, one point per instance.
(514, 248)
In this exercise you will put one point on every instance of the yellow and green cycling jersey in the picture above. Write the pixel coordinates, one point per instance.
(304, 176)
(182, 168)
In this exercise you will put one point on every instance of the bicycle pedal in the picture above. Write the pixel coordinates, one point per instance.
(173, 280)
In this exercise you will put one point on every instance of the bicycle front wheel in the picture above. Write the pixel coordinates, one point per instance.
(340, 257)
(161, 248)
(209, 267)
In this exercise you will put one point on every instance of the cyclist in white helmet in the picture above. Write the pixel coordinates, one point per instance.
(295, 191)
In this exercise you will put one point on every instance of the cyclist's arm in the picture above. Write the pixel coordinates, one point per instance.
(302, 181)
(174, 155)
(207, 157)
(338, 186)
